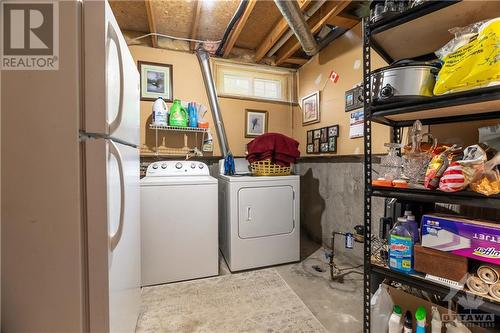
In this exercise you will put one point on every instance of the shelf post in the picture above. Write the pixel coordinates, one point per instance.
(368, 174)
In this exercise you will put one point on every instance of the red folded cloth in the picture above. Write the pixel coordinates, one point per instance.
(281, 149)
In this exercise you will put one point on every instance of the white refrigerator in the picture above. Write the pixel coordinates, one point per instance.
(70, 183)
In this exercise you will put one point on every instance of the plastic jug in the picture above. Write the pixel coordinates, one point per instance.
(401, 247)
(178, 115)
(160, 113)
(193, 115)
(395, 324)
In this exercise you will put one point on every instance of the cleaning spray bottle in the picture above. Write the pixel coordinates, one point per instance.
(408, 326)
(420, 316)
(436, 323)
(395, 324)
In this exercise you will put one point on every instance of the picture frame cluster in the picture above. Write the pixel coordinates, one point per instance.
(322, 140)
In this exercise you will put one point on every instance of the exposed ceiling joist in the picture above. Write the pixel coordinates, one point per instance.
(320, 18)
(343, 21)
(274, 35)
(296, 61)
(151, 22)
(239, 27)
(194, 24)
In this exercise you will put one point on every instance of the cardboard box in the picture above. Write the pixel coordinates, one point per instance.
(474, 239)
(408, 302)
(438, 263)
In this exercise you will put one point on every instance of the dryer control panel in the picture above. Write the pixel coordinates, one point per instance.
(177, 168)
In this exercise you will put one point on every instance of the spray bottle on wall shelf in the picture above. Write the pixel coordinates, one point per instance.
(208, 145)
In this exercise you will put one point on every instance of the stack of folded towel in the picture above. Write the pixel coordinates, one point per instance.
(278, 148)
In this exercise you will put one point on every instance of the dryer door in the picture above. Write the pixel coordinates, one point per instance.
(265, 211)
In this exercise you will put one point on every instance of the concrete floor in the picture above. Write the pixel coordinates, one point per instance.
(338, 306)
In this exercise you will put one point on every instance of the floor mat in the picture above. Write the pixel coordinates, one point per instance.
(256, 301)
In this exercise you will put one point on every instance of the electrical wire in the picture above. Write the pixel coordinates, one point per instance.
(232, 23)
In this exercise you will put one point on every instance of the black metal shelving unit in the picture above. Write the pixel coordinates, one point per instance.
(478, 104)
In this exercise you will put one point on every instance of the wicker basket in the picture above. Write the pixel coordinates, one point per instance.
(266, 168)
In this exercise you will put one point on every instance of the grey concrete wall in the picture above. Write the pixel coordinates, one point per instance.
(332, 199)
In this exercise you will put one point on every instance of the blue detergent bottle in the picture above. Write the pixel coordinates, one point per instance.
(193, 115)
(401, 247)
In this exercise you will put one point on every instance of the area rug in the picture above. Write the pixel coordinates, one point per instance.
(256, 301)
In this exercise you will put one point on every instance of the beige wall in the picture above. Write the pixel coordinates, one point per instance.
(188, 86)
(340, 56)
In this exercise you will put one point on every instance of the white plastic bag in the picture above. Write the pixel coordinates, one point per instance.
(381, 309)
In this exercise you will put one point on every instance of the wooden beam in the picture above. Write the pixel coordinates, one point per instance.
(274, 35)
(296, 61)
(316, 22)
(151, 22)
(239, 27)
(194, 25)
(344, 21)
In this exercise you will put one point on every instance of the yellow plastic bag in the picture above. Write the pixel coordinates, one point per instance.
(473, 65)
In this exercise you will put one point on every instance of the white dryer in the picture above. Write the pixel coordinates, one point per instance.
(179, 222)
(259, 220)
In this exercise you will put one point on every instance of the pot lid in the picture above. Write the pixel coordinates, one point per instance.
(409, 63)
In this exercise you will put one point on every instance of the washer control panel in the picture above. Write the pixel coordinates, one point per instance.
(177, 168)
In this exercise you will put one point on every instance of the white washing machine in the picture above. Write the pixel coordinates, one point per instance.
(259, 220)
(179, 222)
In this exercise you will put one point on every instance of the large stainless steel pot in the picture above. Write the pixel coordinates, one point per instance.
(403, 80)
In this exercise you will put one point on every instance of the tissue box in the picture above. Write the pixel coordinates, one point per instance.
(474, 239)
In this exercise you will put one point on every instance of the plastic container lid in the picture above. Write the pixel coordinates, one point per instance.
(397, 309)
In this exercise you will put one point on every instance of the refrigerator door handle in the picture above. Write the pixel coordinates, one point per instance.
(113, 35)
(115, 239)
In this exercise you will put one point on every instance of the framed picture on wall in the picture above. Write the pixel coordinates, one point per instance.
(309, 137)
(156, 81)
(310, 148)
(310, 109)
(317, 134)
(324, 135)
(324, 147)
(332, 144)
(255, 123)
(316, 146)
(333, 131)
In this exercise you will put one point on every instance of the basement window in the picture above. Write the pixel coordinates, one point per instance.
(253, 82)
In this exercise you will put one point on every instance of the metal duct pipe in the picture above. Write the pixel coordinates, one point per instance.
(307, 15)
(292, 14)
(204, 60)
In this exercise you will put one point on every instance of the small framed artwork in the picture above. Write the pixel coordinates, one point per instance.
(310, 109)
(324, 135)
(332, 144)
(317, 134)
(316, 146)
(309, 137)
(156, 81)
(310, 148)
(324, 147)
(255, 123)
(333, 131)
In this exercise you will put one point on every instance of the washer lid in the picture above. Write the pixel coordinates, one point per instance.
(180, 180)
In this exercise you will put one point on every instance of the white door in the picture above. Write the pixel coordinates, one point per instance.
(265, 211)
(113, 233)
